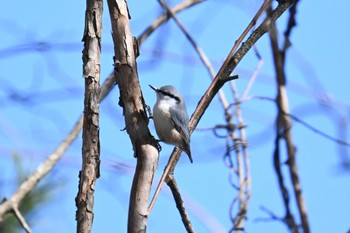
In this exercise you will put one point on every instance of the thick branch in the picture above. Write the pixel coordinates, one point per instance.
(136, 120)
(91, 138)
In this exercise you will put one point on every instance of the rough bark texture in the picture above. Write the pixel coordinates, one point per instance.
(136, 120)
(91, 141)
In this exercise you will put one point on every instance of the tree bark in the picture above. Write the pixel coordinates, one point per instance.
(136, 120)
(91, 141)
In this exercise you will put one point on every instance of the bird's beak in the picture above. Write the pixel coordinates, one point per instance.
(154, 88)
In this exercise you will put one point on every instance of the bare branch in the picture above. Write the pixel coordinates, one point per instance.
(21, 219)
(283, 189)
(304, 123)
(163, 18)
(284, 126)
(136, 120)
(243, 170)
(253, 76)
(45, 167)
(273, 217)
(179, 204)
(224, 75)
(201, 54)
(90, 170)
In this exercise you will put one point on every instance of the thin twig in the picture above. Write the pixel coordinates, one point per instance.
(291, 223)
(253, 76)
(304, 123)
(273, 217)
(21, 219)
(245, 33)
(205, 60)
(284, 126)
(244, 178)
(163, 18)
(180, 204)
(160, 183)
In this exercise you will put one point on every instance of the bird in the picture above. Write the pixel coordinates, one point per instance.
(170, 118)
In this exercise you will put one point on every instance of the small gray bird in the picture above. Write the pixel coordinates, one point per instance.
(171, 119)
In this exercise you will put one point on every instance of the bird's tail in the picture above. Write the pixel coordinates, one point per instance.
(187, 150)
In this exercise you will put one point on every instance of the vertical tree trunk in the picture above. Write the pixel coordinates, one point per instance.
(91, 141)
(136, 120)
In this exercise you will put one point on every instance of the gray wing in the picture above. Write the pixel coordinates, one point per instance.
(180, 120)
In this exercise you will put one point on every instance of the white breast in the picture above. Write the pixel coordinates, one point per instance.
(163, 124)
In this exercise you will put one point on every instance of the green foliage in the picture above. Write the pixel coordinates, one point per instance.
(35, 199)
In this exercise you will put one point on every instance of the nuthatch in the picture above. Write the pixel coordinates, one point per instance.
(171, 119)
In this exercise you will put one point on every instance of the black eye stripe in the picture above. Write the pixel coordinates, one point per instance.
(170, 95)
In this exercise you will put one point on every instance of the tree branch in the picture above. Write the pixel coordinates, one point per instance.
(198, 49)
(223, 76)
(284, 126)
(136, 119)
(46, 166)
(89, 173)
(243, 171)
(21, 219)
(163, 18)
(180, 204)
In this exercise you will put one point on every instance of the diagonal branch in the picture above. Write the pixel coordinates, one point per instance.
(200, 52)
(43, 169)
(163, 18)
(46, 166)
(179, 204)
(21, 220)
(225, 71)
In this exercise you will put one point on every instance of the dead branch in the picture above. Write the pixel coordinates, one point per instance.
(136, 120)
(284, 125)
(180, 204)
(242, 171)
(21, 219)
(43, 169)
(302, 122)
(89, 173)
(225, 71)
(46, 166)
(198, 49)
(289, 218)
(163, 18)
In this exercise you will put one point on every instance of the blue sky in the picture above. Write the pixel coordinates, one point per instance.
(48, 76)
